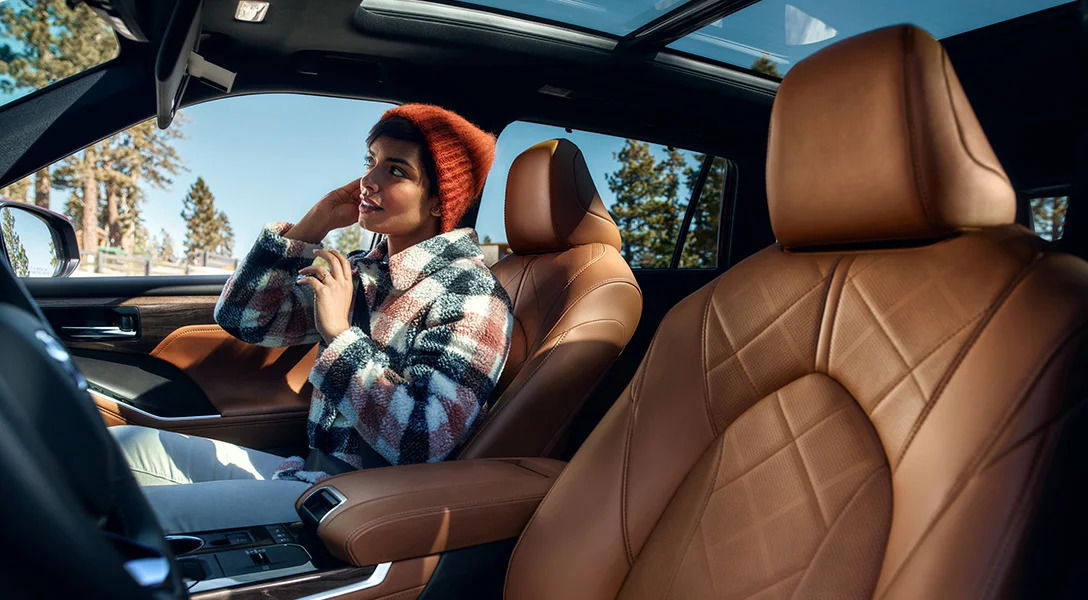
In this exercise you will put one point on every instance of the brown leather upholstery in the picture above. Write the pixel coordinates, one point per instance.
(576, 302)
(552, 204)
(240, 378)
(420, 510)
(835, 424)
(917, 165)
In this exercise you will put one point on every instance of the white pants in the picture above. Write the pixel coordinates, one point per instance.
(198, 484)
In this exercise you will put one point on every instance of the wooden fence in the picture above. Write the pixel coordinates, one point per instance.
(107, 263)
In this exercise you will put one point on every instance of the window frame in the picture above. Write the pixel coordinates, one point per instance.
(727, 206)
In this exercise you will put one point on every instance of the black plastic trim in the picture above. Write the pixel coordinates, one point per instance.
(679, 22)
(126, 287)
(147, 383)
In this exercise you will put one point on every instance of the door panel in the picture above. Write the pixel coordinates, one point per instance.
(159, 316)
(180, 372)
(278, 432)
(240, 378)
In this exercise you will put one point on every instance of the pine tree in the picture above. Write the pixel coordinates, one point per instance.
(648, 207)
(141, 154)
(765, 65)
(163, 247)
(123, 163)
(88, 175)
(1049, 215)
(18, 190)
(701, 245)
(17, 257)
(224, 239)
(206, 229)
(45, 41)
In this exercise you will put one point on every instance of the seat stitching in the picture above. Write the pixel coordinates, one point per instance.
(835, 315)
(838, 517)
(499, 404)
(521, 275)
(1045, 425)
(804, 465)
(775, 582)
(706, 369)
(556, 485)
(887, 334)
(630, 555)
(598, 285)
(694, 528)
(954, 365)
(784, 446)
(592, 261)
(743, 367)
(974, 467)
(503, 401)
(764, 328)
(550, 445)
(886, 393)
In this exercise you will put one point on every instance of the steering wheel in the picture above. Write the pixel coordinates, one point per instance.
(77, 524)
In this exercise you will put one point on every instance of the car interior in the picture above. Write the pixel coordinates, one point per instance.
(875, 389)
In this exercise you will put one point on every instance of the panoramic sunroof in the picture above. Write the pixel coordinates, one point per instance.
(617, 17)
(772, 35)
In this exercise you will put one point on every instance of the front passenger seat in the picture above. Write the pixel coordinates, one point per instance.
(576, 302)
(867, 409)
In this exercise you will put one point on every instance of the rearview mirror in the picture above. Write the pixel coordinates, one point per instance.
(37, 242)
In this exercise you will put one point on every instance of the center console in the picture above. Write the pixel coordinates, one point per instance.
(373, 533)
(216, 559)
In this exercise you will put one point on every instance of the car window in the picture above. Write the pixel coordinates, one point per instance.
(646, 187)
(1048, 216)
(191, 199)
(45, 41)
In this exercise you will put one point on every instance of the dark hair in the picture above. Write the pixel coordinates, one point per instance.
(400, 128)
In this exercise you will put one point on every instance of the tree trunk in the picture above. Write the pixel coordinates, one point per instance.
(90, 201)
(43, 184)
(113, 217)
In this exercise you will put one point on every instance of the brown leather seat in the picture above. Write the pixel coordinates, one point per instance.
(866, 409)
(576, 302)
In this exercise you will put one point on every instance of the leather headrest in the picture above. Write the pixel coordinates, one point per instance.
(552, 204)
(873, 139)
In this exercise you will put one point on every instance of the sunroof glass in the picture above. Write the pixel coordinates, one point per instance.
(618, 17)
(772, 35)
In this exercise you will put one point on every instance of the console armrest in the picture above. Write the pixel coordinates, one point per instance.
(393, 513)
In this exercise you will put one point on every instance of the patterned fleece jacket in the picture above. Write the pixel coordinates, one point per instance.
(416, 368)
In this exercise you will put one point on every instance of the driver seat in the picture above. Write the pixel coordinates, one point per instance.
(869, 407)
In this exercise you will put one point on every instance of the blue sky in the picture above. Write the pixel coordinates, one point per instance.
(270, 157)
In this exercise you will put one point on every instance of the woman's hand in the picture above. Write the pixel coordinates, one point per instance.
(339, 208)
(333, 289)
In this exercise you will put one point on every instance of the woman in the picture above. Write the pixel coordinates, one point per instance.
(413, 334)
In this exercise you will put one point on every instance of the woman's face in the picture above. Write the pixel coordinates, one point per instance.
(393, 192)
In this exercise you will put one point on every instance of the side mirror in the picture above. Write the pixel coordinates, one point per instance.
(37, 242)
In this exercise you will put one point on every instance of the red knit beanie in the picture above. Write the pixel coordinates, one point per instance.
(462, 155)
